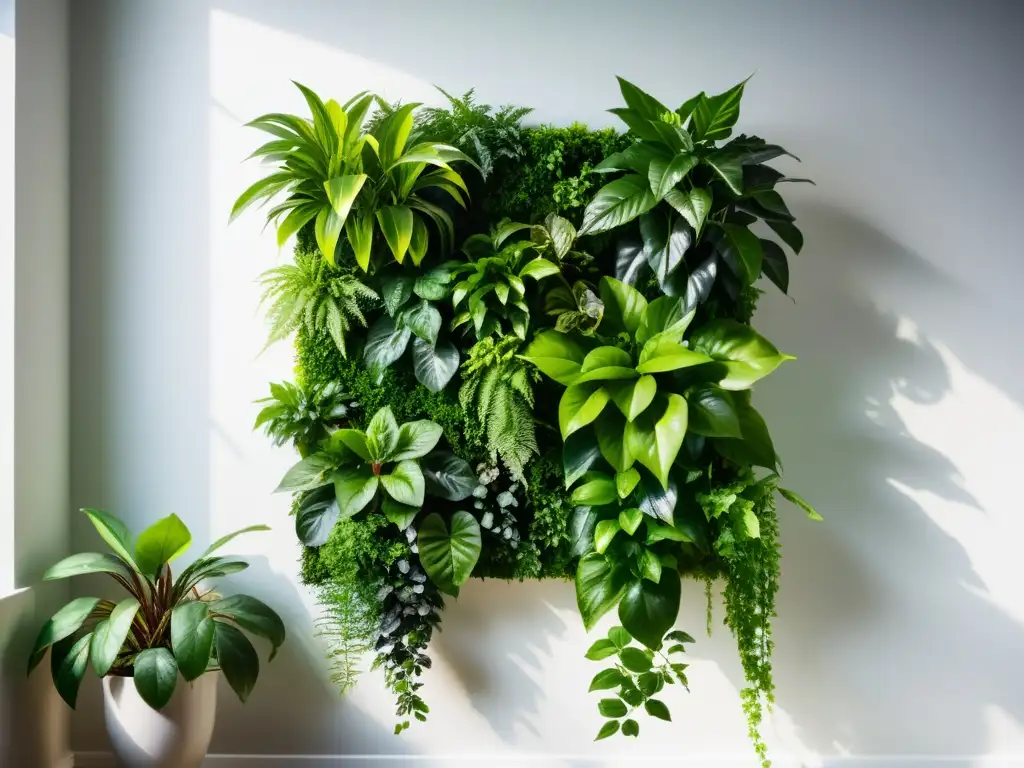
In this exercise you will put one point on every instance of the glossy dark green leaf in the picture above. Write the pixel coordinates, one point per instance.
(448, 477)
(237, 659)
(317, 516)
(253, 616)
(156, 675)
(62, 624)
(655, 500)
(624, 307)
(648, 610)
(449, 558)
(663, 176)
(728, 168)
(754, 447)
(790, 235)
(666, 241)
(775, 264)
(692, 206)
(641, 102)
(617, 203)
(584, 521)
(434, 366)
(741, 251)
(714, 116)
(579, 453)
(712, 411)
(612, 707)
(599, 583)
(68, 662)
(630, 727)
(609, 429)
(192, 633)
(108, 636)
(745, 354)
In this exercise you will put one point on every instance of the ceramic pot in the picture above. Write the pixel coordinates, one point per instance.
(176, 736)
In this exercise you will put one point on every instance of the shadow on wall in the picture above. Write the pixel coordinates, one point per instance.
(886, 641)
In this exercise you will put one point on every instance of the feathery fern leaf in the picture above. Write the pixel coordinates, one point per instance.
(348, 626)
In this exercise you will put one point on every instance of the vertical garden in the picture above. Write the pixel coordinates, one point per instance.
(526, 352)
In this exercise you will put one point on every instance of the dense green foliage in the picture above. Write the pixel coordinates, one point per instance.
(555, 383)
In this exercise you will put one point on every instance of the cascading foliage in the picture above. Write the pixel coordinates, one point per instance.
(526, 352)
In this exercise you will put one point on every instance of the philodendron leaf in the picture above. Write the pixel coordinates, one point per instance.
(604, 534)
(599, 583)
(557, 355)
(192, 634)
(448, 477)
(449, 558)
(307, 474)
(666, 317)
(416, 439)
(317, 516)
(434, 366)
(745, 354)
(655, 439)
(402, 515)
(355, 487)
(156, 674)
(712, 412)
(423, 319)
(579, 453)
(385, 343)
(598, 490)
(580, 405)
(237, 659)
(109, 635)
(661, 354)
(630, 519)
(775, 264)
(610, 429)
(253, 616)
(633, 397)
(68, 662)
(655, 500)
(648, 610)
(161, 543)
(405, 483)
(114, 532)
(624, 307)
(617, 203)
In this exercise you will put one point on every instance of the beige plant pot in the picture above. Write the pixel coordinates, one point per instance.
(177, 736)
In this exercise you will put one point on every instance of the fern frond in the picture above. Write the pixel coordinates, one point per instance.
(348, 626)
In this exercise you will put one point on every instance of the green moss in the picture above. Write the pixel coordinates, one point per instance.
(355, 552)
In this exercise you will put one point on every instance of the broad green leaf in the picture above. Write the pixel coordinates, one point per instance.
(666, 241)
(449, 558)
(342, 192)
(156, 674)
(595, 492)
(606, 357)
(538, 269)
(327, 229)
(433, 284)
(420, 240)
(228, 537)
(630, 727)
(395, 291)
(755, 446)
(714, 116)
(557, 355)
(626, 479)
(741, 251)
(712, 412)
(656, 533)
(610, 728)
(359, 230)
(630, 519)
(87, 562)
(114, 532)
(633, 397)
(610, 430)
(424, 320)
(728, 168)
(662, 354)
(692, 206)
(402, 515)
(746, 355)
(599, 583)
(648, 610)
(636, 157)
(405, 483)
(606, 680)
(192, 632)
(385, 343)
(416, 439)
(307, 474)
(617, 203)
(655, 500)
(354, 487)
(795, 498)
(665, 317)
(790, 235)
(434, 366)
(161, 543)
(643, 127)
(663, 176)
(579, 406)
(315, 521)
(612, 708)
(655, 440)
(650, 566)
(561, 233)
(579, 452)
(448, 477)
(393, 133)
(68, 662)
(620, 637)
(635, 659)
(624, 307)
(602, 649)
(640, 102)
(353, 440)
(109, 635)
(774, 264)
(237, 659)
(396, 222)
(253, 616)
(581, 530)
(657, 708)
(604, 533)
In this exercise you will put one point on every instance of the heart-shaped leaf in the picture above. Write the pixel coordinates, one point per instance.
(448, 476)
(192, 633)
(156, 674)
(648, 610)
(746, 355)
(434, 366)
(654, 440)
(599, 583)
(449, 558)
(557, 355)
(354, 487)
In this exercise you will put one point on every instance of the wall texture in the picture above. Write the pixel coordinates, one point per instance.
(901, 619)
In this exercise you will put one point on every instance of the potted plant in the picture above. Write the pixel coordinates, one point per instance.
(164, 629)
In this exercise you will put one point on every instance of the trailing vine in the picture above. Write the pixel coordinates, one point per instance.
(525, 352)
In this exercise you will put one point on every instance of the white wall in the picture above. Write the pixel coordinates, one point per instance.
(900, 622)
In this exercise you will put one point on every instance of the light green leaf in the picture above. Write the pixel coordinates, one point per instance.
(666, 317)
(161, 543)
(610, 430)
(538, 269)
(617, 203)
(633, 397)
(745, 354)
(626, 480)
(402, 515)
(624, 307)
(604, 533)
(648, 610)
(630, 519)
(354, 488)
(795, 498)
(225, 539)
(156, 674)
(396, 222)
(692, 206)
(606, 680)
(599, 583)
(579, 406)
(606, 357)
(612, 708)
(610, 728)
(602, 649)
(355, 441)
(405, 483)
(342, 192)
(114, 532)
(713, 117)
(327, 230)
(359, 230)
(662, 354)
(416, 439)
(663, 176)
(307, 474)
(650, 566)
(635, 659)
(87, 562)
(557, 355)
(237, 659)
(595, 492)
(449, 558)
(729, 168)
(192, 633)
(656, 439)
(420, 240)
